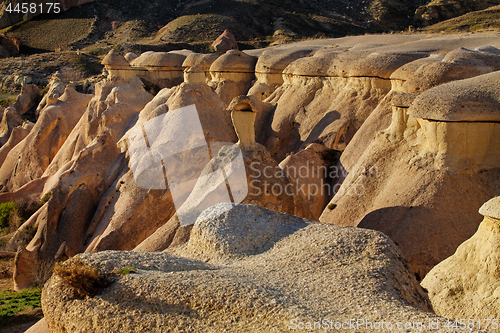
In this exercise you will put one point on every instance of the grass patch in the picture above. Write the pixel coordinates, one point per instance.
(15, 303)
(127, 270)
(4, 102)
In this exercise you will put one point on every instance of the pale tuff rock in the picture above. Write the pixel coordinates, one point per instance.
(416, 77)
(161, 68)
(459, 124)
(202, 60)
(115, 64)
(116, 102)
(232, 74)
(55, 123)
(263, 114)
(130, 56)
(17, 135)
(458, 64)
(86, 165)
(270, 66)
(225, 42)
(56, 88)
(40, 327)
(194, 75)
(417, 171)
(259, 285)
(319, 102)
(8, 19)
(466, 284)
(127, 213)
(491, 208)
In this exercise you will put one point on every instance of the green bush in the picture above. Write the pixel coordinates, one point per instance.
(7, 209)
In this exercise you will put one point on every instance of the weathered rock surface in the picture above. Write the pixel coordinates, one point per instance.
(55, 123)
(27, 99)
(466, 284)
(225, 42)
(86, 165)
(440, 10)
(232, 74)
(251, 284)
(270, 66)
(416, 172)
(127, 207)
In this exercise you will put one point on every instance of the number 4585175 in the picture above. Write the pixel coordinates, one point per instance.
(34, 8)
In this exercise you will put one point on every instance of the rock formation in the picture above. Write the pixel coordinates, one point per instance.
(55, 123)
(466, 284)
(10, 120)
(251, 283)
(374, 99)
(225, 42)
(270, 66)
(243, 173)
(410, 181)
(232, 74)
(84, 167)
(202, 60)
(438, 10)
(161, 68)
(9, 47)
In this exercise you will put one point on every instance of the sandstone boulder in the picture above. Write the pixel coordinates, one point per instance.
(465, 285)
(225, 42)
(262, 265)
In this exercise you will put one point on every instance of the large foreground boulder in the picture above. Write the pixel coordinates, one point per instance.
(268, 272)
(466, 284)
